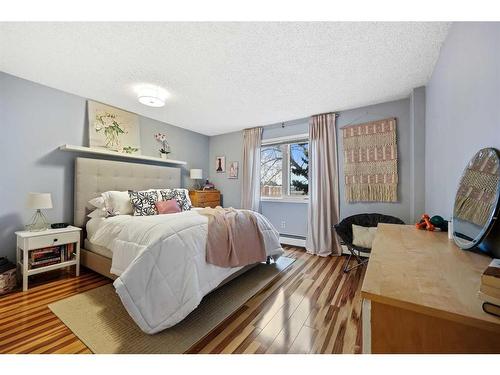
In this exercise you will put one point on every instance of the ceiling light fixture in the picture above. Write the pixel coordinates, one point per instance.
(152, 96)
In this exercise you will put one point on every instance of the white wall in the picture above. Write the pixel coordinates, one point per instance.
(462, 109)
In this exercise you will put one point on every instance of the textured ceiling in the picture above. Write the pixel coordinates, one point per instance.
(224, 77)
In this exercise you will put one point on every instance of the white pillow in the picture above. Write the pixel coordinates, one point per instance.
(98, 202)
(98, 212)
(117, 202)
(363, 236)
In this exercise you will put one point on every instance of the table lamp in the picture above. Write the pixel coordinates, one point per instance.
(197, 175)
(38, 201)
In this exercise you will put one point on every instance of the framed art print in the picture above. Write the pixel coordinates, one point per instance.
(220, 164)
(113, 129)
(233, 169)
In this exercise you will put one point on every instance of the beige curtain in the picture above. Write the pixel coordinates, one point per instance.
(323, 209)
(250, 184)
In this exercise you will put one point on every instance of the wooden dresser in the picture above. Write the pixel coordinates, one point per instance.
(205, 198)
(420, 296)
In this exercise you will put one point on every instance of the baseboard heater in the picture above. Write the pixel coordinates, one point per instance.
(289, 239)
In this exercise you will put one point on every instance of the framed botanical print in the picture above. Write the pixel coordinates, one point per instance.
(113, 129)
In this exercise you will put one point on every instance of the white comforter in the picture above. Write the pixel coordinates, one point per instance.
(160, 261)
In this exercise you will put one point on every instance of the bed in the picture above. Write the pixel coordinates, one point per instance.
(158, 262)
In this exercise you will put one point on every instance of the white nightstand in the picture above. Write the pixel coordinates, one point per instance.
(28, 241)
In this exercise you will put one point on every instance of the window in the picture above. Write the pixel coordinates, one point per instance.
(284, 169)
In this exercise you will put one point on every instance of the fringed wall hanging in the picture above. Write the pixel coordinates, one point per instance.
(371, 161)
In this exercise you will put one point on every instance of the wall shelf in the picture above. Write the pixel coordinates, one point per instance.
(97, 151)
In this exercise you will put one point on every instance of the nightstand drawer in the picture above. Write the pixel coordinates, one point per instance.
(52, 240)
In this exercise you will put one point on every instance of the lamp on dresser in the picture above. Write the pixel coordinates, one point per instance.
(197, 176)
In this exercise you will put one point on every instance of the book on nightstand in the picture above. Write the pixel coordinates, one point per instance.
(489, 290)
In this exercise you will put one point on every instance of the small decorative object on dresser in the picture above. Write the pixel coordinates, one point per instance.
(205, 198)
(51, 249)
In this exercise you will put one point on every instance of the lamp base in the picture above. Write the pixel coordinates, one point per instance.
(38, 222)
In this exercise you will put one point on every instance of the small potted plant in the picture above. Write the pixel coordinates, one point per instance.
(165, 147)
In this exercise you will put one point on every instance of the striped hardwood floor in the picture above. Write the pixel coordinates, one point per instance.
(312, 307)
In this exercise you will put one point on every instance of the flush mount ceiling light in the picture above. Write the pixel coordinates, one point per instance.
(152, 96)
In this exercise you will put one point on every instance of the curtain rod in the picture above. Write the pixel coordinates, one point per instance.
(327, 113)
(284, 123)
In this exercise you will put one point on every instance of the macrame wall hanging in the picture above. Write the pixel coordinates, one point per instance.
(371, 161)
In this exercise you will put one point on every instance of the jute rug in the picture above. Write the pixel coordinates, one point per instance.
(99, 319)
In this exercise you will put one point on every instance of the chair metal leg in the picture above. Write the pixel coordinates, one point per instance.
(360, 261)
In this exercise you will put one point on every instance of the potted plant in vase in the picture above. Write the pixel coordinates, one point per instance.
(165, 147)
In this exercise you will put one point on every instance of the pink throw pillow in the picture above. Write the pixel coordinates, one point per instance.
(167, 207)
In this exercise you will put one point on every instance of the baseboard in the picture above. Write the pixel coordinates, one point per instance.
(293, 241)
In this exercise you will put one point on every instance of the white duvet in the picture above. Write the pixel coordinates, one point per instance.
(160, 261)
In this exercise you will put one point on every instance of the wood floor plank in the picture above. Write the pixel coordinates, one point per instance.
(311, 307)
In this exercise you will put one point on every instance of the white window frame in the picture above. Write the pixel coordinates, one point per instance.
(285, 177)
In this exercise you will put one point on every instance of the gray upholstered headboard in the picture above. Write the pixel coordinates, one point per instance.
(95, 176)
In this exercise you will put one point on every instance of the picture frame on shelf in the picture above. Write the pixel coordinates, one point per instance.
(113, 129)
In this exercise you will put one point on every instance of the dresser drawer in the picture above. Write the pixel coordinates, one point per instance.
(52, 240)
(212, 204)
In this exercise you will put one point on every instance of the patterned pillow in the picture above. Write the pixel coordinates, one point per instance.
(143, 202)
(180, 195)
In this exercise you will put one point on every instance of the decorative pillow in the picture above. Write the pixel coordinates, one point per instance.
(168, 207)
(180, 195)
(363, 236)
(117, 202)
(143, 202)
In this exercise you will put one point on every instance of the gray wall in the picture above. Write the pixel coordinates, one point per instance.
(462, 109)
(410, 124)
(229, 145)
(34, 121)
(401, 110)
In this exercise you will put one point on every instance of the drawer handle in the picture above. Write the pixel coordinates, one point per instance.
(55, 239)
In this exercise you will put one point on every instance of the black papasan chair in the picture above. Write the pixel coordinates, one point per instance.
(344, 231)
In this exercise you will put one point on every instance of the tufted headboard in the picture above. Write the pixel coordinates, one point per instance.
(95, 176)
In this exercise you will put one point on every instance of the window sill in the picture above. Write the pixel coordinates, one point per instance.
(284, 200)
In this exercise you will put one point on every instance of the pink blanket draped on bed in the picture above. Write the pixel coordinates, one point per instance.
(234, 238)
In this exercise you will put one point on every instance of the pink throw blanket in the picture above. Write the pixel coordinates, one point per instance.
(234, 238)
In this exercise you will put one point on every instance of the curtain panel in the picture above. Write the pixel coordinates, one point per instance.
(250, 184)
(323, 209)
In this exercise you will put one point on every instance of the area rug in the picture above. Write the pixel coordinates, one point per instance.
(371, 161)
(99, 319)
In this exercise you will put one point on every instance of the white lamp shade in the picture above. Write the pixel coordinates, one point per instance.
(39, 200)
(196, 174)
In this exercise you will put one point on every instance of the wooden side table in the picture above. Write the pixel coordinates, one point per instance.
(66, 239)
(205, 198)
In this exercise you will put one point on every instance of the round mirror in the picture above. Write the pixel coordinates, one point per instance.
(476, 203)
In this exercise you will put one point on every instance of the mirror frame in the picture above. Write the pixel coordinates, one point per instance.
(476, 242)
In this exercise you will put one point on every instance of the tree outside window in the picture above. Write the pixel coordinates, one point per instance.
(284, 170)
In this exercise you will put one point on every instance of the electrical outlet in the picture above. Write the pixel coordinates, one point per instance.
(283, 224)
